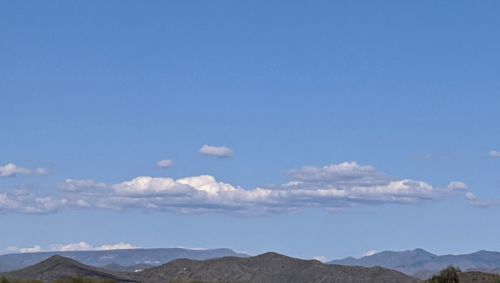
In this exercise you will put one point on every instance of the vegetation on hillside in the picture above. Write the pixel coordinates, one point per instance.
(73, 280)
(447, 275)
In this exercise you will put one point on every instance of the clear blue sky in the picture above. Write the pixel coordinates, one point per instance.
(102, 91)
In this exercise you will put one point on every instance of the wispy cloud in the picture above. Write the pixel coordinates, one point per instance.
(217, 151)
(164, 164)
(495, 153)
(12, 170)
(321, 258)
(79, 246)
(24, 201)
(369, 253)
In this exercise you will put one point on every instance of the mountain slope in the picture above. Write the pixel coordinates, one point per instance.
(478, 277)
(422, 264)
(59, 268)
(266, 268)
(126, 259)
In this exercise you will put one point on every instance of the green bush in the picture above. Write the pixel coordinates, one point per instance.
(447, 275)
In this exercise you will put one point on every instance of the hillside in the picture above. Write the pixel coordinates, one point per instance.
(122, 260)
(266, 268)
(422, 264)
(60, 268)
(478, 277)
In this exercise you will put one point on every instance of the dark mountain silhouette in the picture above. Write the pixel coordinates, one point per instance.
(127, 260)
(266, 268)
(422, 264)
(61, 268)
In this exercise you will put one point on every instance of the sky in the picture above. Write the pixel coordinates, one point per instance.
(318, 129)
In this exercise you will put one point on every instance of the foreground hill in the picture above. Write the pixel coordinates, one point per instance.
(266, 268)
(121, 260)
(61, 268)
(422, 264)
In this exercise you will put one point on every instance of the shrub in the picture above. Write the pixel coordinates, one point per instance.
(447, 275)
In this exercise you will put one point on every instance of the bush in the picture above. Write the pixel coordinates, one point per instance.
(447, 275)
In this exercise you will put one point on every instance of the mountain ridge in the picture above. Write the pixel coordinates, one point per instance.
(124, 259)
(264, 268)
(423, 264)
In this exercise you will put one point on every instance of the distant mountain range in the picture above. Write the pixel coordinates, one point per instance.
(119, 260)
(266, 268)
(225, 265)
(423, 264)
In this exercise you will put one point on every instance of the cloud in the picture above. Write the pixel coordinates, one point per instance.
(217, 151)
(33, 249)
(480, 202)
(495, 154)
(321, 258)
(165, 163)
(471, 197)
(12, 170)
(118, 246)
(458, 186)
(369, 253)
(14, 249)
(84, 186)
(41, 171)
(79, 246)
(23, 201)
(334, 188)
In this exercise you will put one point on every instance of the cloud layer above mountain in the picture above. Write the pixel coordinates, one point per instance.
(333, 187)
(80, 246)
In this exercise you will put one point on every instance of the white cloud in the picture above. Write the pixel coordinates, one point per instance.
(495, 154)
(165, 163)
(14, 249)
(470, 196)
(79, 246)
(369, 253)
(321, 258)
(23, 201)
(118, 246)
(457, 186)
(41, 171)
(334, 187)
(87, 185)
(217, 151)
(12, 170)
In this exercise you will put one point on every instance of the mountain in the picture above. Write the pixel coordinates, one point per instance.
(61, 268)
(422, 264)
(266, 268)
(128, 260)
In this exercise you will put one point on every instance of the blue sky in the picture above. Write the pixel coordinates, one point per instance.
(347, 122)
